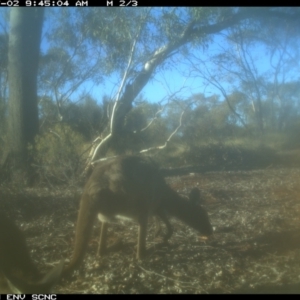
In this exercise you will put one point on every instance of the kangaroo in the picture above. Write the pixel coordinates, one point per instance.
(195, 197)
(132, 187)
(16, 265)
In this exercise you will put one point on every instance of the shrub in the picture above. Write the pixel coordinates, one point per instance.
(58, 154)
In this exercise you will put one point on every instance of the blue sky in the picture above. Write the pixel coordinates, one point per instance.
(176, 79)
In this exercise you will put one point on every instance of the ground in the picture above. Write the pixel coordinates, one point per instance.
(255, 247)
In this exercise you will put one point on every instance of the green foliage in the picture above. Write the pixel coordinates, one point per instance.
(86, 117)
(226, 155)
(89, 45)
(54, 63)
(58, 154)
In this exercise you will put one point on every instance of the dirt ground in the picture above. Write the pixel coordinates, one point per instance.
(255, 247)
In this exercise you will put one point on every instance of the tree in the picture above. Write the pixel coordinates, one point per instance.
(23, 57)
(237, 66)
(92, 44)
(197, 27)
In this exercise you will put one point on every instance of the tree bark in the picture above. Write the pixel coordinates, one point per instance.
(23, 56)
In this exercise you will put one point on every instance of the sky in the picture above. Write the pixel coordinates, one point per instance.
(176, 80)
(162, 84)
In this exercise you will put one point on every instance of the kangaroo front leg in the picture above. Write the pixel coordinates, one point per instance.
(157, 226)
(103, 238)
(141, 247)
(164, 218)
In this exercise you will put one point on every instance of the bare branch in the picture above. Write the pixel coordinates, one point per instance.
(123, 104)
(151, 121)
(124, 79)
(169, 138)
(121, 87)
